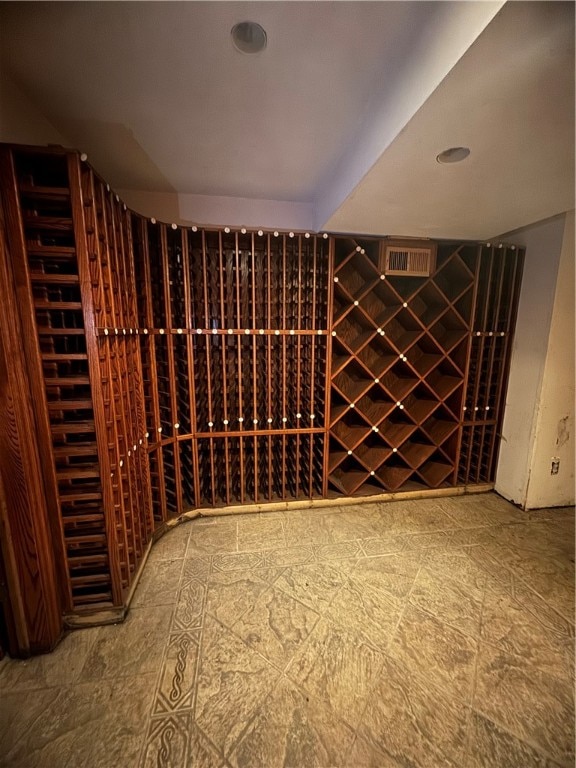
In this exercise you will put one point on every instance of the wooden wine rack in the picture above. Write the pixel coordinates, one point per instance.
(498, 290)
(235, 339)
(399, 356)
(177, 368)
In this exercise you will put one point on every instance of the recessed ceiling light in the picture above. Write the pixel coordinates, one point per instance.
(249, 37)
(453, 155)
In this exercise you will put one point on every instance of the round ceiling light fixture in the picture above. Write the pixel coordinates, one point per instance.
(249, 37)
(453, 155)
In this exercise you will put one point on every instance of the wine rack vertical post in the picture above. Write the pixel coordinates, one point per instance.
(499, 274)
(455, 476)
(506, 321)
(189, 323)
(148, 339)
(171, 370)
(94, 368)
(144, 509)
(328, 368)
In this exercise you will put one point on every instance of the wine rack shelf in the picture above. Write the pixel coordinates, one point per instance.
(176, 368)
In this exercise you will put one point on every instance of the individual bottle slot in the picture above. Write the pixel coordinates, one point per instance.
(463, 306)
(375, 405)
(428, 304)
(394, 473)
(444, 379)
(424, 355)
(337, 453)
(356, 276)
(170, 479)
(265, 486)
(351, 430)
(235, 470)
(381, 303)
(448, 331)
(489, 455)
(373, 452)
(420, 404)
(403, 331)
(355, 330)
(396, 428)
(339, 405)
(416, 450)
(377, 356)
(439, 426)
(187, 474)
(399, 381)
(345, 249)
(249, 470)
(341, 303)
(157, 276)
(176, 277)
(405, 287)
(436, 470)
(348, 476)
(452, 277)
(182, 383)
(352, 382)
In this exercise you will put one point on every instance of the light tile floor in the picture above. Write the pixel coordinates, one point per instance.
(418, 634)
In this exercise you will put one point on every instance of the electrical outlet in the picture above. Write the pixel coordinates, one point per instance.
(555, 465)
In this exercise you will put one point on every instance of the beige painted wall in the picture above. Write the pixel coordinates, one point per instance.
(540, 397)
(20, 121)
(554, 431)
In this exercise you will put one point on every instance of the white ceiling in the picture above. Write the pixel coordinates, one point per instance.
(341, 116)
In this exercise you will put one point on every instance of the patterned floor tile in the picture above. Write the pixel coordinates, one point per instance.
(370, 612)
(439, 653)
(189, 608)
(412, 721)
(314, 585)
(489, 746)
(134, 647)
(390, 575)
(233, 681)
(286, 556)
(339, 667)
(159, 583)
(231, 594)
(276, 625)
(177, 684)
(292, 729)
(256, 532)
(535, 706)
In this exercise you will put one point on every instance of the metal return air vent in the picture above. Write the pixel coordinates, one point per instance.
(414, 258)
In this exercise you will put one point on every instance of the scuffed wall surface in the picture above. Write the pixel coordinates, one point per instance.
(543, 243)
(554, 433)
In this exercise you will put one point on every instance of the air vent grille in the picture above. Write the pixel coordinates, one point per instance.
(414, 259)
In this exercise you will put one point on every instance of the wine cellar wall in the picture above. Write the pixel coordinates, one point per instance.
(178, 368)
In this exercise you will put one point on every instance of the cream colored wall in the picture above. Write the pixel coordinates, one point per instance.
(216, 211)
(554, 433)
(540, 392)
(20, 121)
